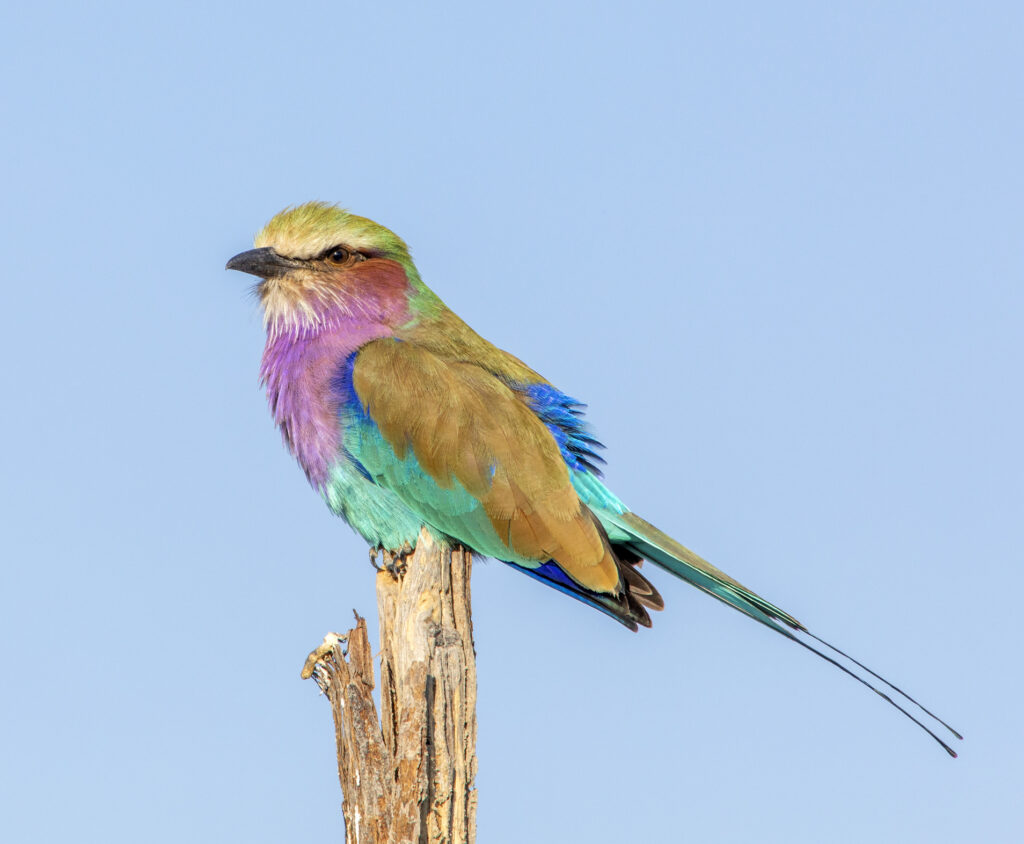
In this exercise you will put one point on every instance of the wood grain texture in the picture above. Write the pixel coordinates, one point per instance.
(408, 777)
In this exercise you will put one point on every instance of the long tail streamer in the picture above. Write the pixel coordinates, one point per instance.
(656, 546)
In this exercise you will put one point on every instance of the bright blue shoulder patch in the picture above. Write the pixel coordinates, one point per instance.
(350, 406)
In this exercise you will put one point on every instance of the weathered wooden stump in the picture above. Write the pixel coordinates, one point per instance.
(408, 776)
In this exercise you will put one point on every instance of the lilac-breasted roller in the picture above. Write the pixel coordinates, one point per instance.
(402, 416)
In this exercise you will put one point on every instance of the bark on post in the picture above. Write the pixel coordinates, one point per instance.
(408, 777)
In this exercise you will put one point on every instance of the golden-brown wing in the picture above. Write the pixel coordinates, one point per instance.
(465, 426)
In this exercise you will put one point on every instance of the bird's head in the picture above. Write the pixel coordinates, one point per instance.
(317, 261)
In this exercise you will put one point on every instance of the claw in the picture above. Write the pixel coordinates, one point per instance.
(394, 560)
(400, 557)
(391, 566)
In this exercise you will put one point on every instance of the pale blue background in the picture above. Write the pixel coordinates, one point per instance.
(777, 248)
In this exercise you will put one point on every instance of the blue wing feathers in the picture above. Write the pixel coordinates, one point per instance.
(563, 416)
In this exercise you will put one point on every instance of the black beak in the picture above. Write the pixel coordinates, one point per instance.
(265, 263)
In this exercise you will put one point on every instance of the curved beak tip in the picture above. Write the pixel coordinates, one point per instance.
(264, 263)
(244, 261)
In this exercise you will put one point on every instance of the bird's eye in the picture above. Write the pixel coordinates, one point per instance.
(339, 255)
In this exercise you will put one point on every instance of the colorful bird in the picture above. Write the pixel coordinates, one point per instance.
(402, 416)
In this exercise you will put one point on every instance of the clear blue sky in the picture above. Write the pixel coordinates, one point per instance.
(776, 247)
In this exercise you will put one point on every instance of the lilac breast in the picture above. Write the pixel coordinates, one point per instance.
(299, 366)
(297, 373)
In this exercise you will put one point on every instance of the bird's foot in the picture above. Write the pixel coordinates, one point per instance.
(394, 561)
(375, 551)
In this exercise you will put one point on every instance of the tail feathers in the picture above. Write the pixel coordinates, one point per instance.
(628, 607)
(647, 542)
(661, 549)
